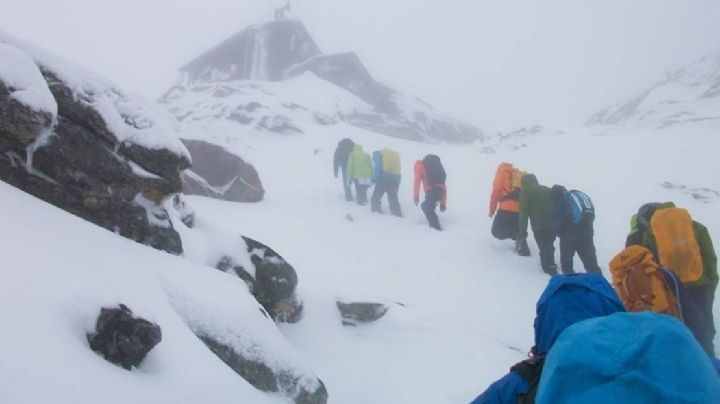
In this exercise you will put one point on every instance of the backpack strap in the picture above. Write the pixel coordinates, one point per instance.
(530, 370)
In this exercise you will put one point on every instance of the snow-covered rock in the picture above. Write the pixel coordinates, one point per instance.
(217, 173)
(107, 156)
(273, 78)
(688, 95)
(356, 313)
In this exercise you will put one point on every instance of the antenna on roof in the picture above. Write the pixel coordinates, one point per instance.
(280, 12)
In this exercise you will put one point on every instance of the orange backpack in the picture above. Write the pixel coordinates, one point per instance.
(677, 246)
(640, 283)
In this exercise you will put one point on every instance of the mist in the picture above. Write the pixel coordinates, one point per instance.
(498, 64)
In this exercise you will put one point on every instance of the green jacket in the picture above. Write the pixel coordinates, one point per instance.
(535, 205)
(707, 251)
(359, 164)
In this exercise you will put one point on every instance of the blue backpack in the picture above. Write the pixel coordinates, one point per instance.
(580, 207)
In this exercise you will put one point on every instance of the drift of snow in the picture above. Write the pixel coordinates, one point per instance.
(27, 85)
(131, 118)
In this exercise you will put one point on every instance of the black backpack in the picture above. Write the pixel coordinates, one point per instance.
(434, 170)
(530, 370)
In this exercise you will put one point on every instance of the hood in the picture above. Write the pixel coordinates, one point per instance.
(529, 180)
(569, 299)
(358, 148)
(504, 168)
(626, 356)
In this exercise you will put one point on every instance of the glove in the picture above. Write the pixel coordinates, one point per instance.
(416, 200)
(491, 214)
(443, 208)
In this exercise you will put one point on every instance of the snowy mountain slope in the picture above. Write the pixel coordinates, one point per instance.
(262, 57)
(688, 95)
(467, 300)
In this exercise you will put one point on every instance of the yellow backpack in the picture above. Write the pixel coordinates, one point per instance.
(677, 247)
(390, 161)
(639, 282)
(516, 178)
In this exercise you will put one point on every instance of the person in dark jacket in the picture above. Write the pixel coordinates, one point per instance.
(567, 300)
(340, 159)
(430, 173)
(574, 237)
(535, 206)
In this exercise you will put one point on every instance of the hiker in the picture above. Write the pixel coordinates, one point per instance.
(340, 159)
(683, 246)
(535, 205)
(644, 285)
(359, 172)
(573, 215)
(430, 173)
(386, 178)
(504, 204)
(628, 358)
(567, 299)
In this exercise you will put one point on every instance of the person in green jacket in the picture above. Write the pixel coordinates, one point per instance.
(359, 172)
(536, 206)
(701, 292)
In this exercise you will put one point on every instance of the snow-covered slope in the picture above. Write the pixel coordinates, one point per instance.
(688, 95)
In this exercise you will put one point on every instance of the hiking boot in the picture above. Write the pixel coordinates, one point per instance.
(551, 270)
(522, 248)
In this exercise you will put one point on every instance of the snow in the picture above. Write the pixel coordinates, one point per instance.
(19, 72)
(131, 118)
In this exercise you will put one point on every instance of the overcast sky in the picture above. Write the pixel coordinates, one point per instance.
(498, 63)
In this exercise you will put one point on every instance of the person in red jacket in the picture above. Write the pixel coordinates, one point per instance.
(430, 173)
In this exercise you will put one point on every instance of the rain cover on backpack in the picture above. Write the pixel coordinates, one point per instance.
(677, 247)
(579, 206)
(639, 282)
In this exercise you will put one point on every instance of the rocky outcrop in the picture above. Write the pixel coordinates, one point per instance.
(356, 313)
(104, 157)
(219, 174)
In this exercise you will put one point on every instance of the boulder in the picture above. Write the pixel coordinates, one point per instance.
(105, 157)
(219, 174)
(356, 313)
(275, 282)
(122, 338)
(265, 378)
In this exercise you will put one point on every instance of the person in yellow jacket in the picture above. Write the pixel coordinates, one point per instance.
(359, 172)
(386, 178)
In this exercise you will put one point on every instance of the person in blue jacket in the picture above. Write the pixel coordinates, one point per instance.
(567, 299)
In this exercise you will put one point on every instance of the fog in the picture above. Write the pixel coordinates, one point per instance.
(498, 63)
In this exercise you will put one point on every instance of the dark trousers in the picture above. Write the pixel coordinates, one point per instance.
(360, 193)
(505, 225)
(428, 206)
(702, 298)
(545, 240)
(388, 185)
(346, 186)
(578, 238)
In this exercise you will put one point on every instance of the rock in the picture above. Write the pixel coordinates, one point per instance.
(355, 313)
(264, 378)
(83, 166)
(123, 339)
(219, 174)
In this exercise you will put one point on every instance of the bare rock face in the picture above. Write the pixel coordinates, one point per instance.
(80, 164)
(219, 174)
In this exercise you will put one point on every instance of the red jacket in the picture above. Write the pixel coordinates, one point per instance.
(421, 178)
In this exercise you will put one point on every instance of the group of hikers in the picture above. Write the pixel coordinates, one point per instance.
(647, 338)
(382, 171)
